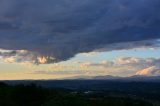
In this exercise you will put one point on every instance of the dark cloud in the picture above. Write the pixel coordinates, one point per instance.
(60, 29)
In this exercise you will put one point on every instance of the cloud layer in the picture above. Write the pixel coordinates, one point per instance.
(56, 30)
(121, 66)
(151, 71)
(130, 66)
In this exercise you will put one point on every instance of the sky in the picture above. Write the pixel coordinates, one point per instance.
(58, 39)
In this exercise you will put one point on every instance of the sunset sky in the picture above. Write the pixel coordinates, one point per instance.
(57, 39)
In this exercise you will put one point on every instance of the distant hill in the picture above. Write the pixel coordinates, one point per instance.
(143, 78)
(109, 77)
(106, 77)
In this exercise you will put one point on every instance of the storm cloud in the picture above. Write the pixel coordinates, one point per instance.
(57, 30)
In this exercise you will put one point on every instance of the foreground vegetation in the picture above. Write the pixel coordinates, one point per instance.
(32, 95)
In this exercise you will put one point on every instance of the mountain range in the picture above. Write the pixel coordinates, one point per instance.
(110, 77)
